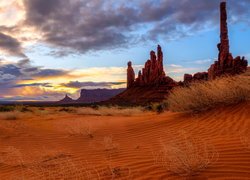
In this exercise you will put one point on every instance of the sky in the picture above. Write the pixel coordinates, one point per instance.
(52, 48)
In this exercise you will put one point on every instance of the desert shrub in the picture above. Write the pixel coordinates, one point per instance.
(113, 171)
(157, 107)
(186, 157)
(11, 156)
(9, 115)
(109, 143)
(69, 110)
(201, 96)
(110, 111)
(81, 129)
(22, 108)
(25, 109)
(6, 108)
(47, 165)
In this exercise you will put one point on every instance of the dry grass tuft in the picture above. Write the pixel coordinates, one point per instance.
(110, 111)
(109, 143)
(206, 95)
(113, 171)
(10, 115)
(52, 164)
(185, 157)
(48, 165)
(11, 156)
(81, 129)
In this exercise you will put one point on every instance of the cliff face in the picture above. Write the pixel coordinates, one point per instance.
(97, 95)
(92, 96)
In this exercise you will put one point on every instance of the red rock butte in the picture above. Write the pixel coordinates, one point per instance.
(152, 73)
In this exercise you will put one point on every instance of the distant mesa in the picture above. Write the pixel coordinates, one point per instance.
(88, 96)
(66, 100)
(97, 95)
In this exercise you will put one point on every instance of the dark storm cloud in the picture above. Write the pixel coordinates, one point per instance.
(83, 25)
(23, 70)
(49, 73)
(11, 45)
(77, 84)
(11, 74)
(33, 85)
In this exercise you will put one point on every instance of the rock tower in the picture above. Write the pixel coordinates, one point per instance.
(226, 64)
(152, 74)
(130, 75)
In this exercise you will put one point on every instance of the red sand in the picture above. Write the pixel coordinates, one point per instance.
(46, 138)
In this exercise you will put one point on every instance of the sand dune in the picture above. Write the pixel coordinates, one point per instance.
(66, 145)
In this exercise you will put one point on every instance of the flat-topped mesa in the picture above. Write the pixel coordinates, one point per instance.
(152, 73)
(226, 64)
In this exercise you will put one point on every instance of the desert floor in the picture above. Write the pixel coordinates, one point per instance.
(48, 144)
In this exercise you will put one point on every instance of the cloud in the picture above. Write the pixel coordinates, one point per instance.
(23, 81)
(11, 45)
(200, 62)
(79, 26)
(78, 85)
(177, 71)
(33, 85)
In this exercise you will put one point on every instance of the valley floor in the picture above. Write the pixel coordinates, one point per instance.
(64, 145)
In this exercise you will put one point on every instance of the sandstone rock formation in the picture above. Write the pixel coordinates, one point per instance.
(152, 74)
(97, 95)
(226, 64)
(151, 85)
(88, 96)
(66, 100)
(130, 75)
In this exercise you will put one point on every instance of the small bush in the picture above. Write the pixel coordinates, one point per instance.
(81, 129)
(201, 96)
(9, 115)
(22, 108)
(156, 107)
(186, 157)
(110, 111)
(109, 143)
(69, 110)
(7, 108)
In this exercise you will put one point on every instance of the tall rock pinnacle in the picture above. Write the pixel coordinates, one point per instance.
(130, 75)
(226, 64)
(223, 46)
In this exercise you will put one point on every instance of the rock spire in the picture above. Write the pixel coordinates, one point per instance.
(130, 75)
(152, 73)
